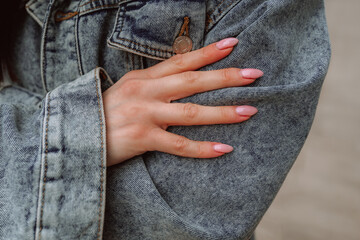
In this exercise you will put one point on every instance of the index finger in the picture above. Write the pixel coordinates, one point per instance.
(189, 61)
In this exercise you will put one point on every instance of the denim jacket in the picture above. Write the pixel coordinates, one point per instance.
(65, 53)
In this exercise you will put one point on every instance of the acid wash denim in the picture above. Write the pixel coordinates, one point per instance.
(54, 180)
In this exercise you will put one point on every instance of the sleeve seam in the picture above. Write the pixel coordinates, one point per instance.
(97, 82)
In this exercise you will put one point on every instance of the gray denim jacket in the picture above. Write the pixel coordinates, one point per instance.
(54, 181)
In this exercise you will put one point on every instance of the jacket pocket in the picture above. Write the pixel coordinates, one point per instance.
(149, 28)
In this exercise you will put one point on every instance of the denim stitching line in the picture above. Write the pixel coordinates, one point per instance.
(121, 16)
(45, 167)
(212, 18)
(145, 46)
(32, 13)
(225, 8)
(89, 2)
(102, 153)
(43, 45)
(76, 32)
(103, 6)
(217, 6)
(31, 3)
(73, 14)
(135, 50)
(95, 1)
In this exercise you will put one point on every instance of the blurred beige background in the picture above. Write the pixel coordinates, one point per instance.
(320, 199)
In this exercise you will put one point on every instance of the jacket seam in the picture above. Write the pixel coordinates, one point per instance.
(217, 6)
(69, 15)
(88, 2)
(221, 11)
(29, 4)
(101, 158)
(45, 168)
(212, 18)
(77, 44)
(28, 9)
(102, 6)
(43, 57)
(116, 45)
(144, 46)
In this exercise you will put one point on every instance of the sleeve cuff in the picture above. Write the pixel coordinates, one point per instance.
(73, 160)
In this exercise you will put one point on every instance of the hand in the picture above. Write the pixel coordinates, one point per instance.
(138, 107)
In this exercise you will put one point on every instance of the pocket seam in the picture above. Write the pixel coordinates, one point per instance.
(122, 9)
(212, 17)
(145, 46)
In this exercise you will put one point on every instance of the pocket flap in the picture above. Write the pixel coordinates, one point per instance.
(150, 27)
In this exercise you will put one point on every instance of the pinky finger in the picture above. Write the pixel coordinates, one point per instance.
(167, 142)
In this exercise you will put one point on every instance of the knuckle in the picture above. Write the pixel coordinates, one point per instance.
(190, 111)
(181, 144)
(205, 53)
(178, 60)
(190, 77)
(199, 151)
(131, 87)
(225, 113)
(227, 76)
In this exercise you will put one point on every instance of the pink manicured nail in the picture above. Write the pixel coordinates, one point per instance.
(251, 73)
(226, 43)
(246, 110)
(223, 148)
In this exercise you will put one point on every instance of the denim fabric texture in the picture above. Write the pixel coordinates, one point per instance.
(65, 53)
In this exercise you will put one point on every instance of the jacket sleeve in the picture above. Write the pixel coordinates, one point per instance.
(162, 196)
(53, 161)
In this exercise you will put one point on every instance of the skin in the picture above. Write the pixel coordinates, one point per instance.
(139, 108)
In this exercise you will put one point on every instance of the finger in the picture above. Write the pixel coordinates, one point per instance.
(188, 61)
(164, 141)
(188, 83)
(172, 114)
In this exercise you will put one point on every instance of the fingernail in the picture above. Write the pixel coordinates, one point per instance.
(223, 148)
(251, 73)
(226, 43)
(246, 110)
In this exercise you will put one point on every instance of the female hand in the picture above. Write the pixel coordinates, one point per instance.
(138, 107)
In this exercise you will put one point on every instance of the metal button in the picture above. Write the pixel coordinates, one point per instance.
(182, 44)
